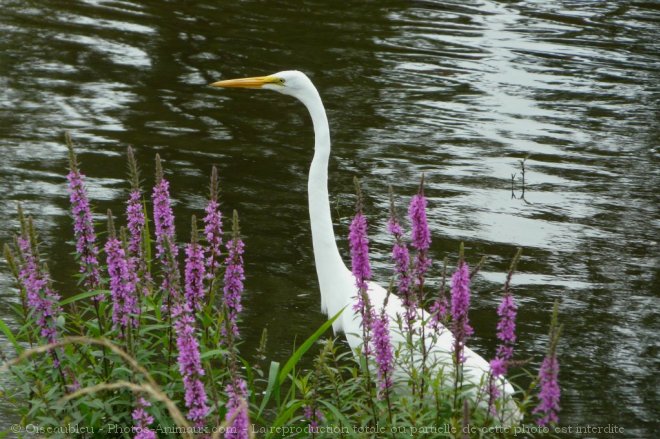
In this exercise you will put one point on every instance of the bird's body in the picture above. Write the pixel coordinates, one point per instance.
(336, 282)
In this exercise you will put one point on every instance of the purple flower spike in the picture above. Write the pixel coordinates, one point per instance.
(83, 226)
(313, 415)
(506, 328)
(136, 225)
(136, 222)
(506, 333)
(163, 218)
(460, 304)
(498, 367)
(41, 299)
(401, 258)
(134, 211)
(359, 244)
(142, 420)
(550, 392)
(421, 235)
(383, 350)
(237, 410)
(234, 277)
(190, 364)
(493, 390)
(213, 231)
(166, 249)
(123, 282)
(361, 269)
(194, 276)
(213, 227)
(439, 311)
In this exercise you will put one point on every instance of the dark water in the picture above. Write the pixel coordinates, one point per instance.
(461, 91)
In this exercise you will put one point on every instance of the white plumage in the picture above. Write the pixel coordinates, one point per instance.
(337, 283)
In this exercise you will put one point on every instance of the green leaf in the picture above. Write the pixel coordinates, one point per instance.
(272, 382)
(82, 296)
(285, 416)
(297, 355)
(10, 336)
(276, 379)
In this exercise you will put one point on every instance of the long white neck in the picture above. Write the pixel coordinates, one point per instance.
(330, 267)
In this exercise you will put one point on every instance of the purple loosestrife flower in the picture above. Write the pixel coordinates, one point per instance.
(401, 258)
(213, 227)
(142, 420)
(134, 211)
(359, 244)
(439, 312)
(506, 328)
(194, 275)
(136, 226)
(166, 249)
(550, 392)
(498, 366)
(190, 364)
(421, 235)
(383, 350)
(136, 222)
(314, 415)
(163, 216)
(234, 277)
(237, 414)
(440, 307)
(460, 304)
(361, 269)
(549, 395)
(213, 232)
(493, 390)
(42, 301)
(83, 226)
(123, 281)
(506, 334)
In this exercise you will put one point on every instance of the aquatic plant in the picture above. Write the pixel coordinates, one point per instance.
(213, 227)
(195, 271)
(83, 226)
(234, 277)
(401, 259)
(166, 247)
(460, 305)
(123, 281)
(549, 391)
(172, 360)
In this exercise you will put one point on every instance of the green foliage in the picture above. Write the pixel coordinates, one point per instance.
(91, 377)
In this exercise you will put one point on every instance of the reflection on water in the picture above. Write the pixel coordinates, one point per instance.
(459, 91)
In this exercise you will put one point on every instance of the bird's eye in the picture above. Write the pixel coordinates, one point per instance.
(282, 81)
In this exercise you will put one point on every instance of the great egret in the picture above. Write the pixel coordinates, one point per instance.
(337, 283)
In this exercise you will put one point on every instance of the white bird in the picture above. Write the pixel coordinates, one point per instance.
(337, 283)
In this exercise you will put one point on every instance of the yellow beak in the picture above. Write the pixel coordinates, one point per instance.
(255, 82)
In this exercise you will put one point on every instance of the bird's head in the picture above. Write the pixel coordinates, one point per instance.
(288, 82)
